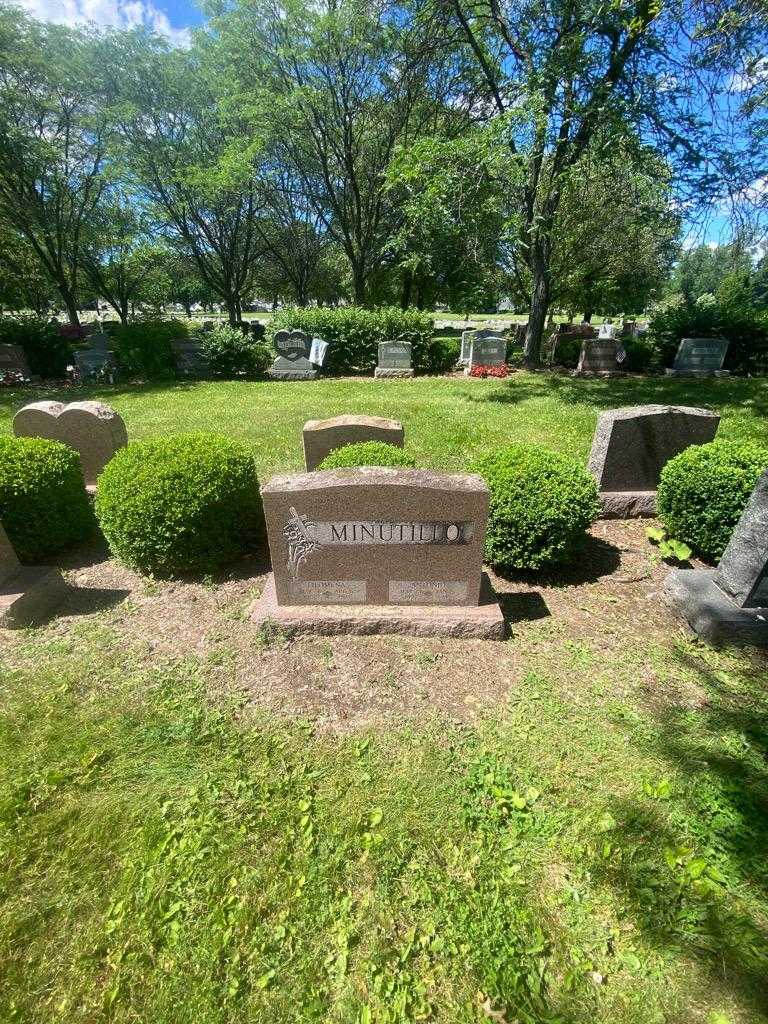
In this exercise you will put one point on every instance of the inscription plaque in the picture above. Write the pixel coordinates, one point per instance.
(328, 591)
(424, 592)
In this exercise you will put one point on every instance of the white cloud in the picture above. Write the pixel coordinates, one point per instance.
(755, 73)
(108, 14)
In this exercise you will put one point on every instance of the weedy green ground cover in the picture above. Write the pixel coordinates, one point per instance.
(588, 849)
(569, 859)
(447, 420)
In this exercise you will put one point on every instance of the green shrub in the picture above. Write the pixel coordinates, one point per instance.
(367, 453)
(567, 350)
(144, 347)
(232, 353)
(704, 490)
(439, 356)
(541, 505)
(183, 504)
(641, 355)
(47, 352)
(745, 328)
(43, 503)
(353, 334)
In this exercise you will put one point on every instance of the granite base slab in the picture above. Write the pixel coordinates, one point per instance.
(480, 622)
(694, 597)
(697, 373)
(288, 375)
(627, 504)
(386, 371)
(30, 595)
(597, 373)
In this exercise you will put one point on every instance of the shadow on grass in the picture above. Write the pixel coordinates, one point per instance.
(522, 607)
(595, 559)
(88, 600)
(708, 894)
(634, 390)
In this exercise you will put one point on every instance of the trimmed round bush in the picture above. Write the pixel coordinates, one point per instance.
(704, 490)
(44, 506)
(367, 453)
(231, 353)
(180, 505)
(541, 505)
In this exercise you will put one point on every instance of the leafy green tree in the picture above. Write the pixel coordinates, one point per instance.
(701, 271)
(185, 155)
(560, 76)
(54, 133)
(24, 283)
(616, 231)
(335, 86)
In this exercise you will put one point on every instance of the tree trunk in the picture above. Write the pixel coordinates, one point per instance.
(358, 283)
(405, 298)
(539, 306)
(122, 312)
(588, 315)
(231, 303)
(70, 304)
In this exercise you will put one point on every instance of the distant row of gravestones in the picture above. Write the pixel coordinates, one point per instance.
(299, 357)
(380, 550)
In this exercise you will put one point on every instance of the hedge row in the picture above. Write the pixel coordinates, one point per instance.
(191, 502)
(353, 334)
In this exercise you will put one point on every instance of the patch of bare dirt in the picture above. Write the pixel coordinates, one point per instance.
(576, 623)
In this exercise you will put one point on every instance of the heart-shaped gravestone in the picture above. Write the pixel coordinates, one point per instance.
(93, 429)
(292, 344)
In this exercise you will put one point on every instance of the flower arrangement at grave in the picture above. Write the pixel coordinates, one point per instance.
(502, 370)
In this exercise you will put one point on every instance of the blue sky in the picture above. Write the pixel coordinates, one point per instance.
(174, 19)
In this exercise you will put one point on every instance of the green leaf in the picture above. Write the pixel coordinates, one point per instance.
(655, 534)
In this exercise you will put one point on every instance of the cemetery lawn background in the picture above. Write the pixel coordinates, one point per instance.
(203, 823)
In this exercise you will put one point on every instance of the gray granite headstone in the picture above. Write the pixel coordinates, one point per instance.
(13, 360)
(598, 357)
(94, 362)
(394, 359)
(189, 357)
(632, 445)
(487, 348)
(292, 359)
(700, 357)
(730, 603)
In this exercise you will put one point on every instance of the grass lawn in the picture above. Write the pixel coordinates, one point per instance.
(200, 823)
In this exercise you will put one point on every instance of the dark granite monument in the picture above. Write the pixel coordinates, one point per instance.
(292, 360)
(486, 348)
(13, 360)
(27, 593)
(394, 359)
(599, 358)
(631, 446)
(190, 360)
(730, 603)
(378, 550)
(700, 357)
(324, 436)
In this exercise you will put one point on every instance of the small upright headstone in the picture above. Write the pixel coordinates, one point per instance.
(378, 550)
(13, 360)
(700, 357)
(487, 348)
(292, 359)
(598, 358)
(730, 603)
(324, 436)
(394, 359)
(96, 431)
(27, 593)
(96, 362)
(631, 446)
(189, 357)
